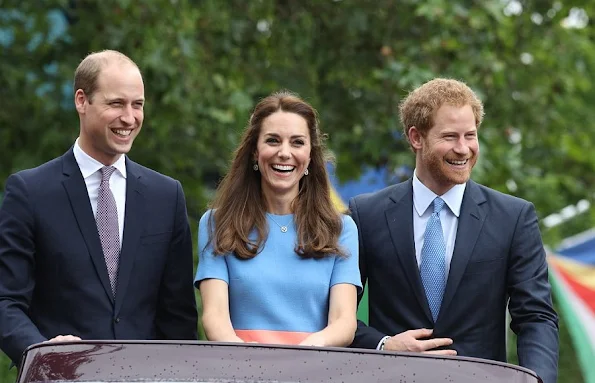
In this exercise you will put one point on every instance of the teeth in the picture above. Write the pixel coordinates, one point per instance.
(458, 162)
(122, 132)
(283, 167)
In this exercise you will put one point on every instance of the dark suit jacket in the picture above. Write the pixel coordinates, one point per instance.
(498, 259)
(53, 277)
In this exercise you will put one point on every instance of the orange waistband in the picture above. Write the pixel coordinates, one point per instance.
(272, 337)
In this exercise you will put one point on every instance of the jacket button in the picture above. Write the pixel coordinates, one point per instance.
(117, 320)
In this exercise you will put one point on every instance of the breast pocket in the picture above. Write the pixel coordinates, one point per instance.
(484, 266)
(150, 239)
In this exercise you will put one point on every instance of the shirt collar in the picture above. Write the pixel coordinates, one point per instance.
(90, 165)
(423, 197)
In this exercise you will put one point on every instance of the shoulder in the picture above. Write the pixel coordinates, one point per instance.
(204, 219)
(349, 235)
(382, 194)
(371, 201)
(501, 207)
(46, 170)
(149, 176)
(496, 198)
(204, 232)
(348, 223)
(38, 181)
(206, 224)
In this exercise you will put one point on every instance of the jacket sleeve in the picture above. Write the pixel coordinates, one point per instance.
(533, 317)
(177, 317)
(365, 336)
(17, 270)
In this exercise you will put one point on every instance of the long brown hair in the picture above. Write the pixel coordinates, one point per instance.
(239, 205)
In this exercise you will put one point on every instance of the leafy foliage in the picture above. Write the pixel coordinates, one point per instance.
(206, 64)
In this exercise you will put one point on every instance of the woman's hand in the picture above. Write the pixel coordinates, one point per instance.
(316, 339)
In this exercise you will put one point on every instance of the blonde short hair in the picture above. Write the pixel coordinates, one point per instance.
(87, 73)
(420, 106)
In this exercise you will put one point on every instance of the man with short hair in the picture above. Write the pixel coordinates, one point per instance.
(444, 255)
(92, 244)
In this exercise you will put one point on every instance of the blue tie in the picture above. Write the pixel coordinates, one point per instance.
(433, 260)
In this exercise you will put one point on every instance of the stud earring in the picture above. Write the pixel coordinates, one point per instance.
(306, 172)
(255, 167)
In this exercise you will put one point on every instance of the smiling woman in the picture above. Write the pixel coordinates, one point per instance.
(278, 262)
(283, 156)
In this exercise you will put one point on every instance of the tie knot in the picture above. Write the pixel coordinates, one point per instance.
(438, 204)
(106, 173)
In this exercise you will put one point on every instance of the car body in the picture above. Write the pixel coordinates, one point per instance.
(169, 361)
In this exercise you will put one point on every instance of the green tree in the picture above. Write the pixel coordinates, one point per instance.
(206, 63)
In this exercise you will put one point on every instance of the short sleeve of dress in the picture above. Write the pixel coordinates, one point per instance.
(210, 266)
(346, 270)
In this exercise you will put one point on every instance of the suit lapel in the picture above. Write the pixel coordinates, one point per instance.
(79, 201)
(471, 221)
(133, 224)
(399, 217)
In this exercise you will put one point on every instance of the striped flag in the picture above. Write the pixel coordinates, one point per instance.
(572, 273)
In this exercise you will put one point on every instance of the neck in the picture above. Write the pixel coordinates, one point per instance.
(424, 176)
(280, 205)
(438, 190)
(105, 159)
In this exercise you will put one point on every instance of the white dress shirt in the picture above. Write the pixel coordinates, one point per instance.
(423, 208)
(91, 171)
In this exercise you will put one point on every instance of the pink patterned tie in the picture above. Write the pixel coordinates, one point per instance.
(107, 226)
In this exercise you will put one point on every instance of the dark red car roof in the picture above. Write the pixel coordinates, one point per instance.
(158, 361)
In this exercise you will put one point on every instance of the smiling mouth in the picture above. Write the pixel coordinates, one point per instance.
(283, 168)
(458, 162)
(122, 132)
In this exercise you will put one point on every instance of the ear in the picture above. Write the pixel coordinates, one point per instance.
(80, 101)
(415, 138)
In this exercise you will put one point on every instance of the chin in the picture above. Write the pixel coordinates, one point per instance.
(459, 179)
(119, 149)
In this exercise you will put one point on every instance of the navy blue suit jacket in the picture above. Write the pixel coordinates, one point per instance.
(53, 277)
(498, 259)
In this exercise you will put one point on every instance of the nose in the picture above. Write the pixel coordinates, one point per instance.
(461, 147)
(284, 151)
(127, 116)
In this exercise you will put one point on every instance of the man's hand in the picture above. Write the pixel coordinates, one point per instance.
(413, 341)
(64, 338)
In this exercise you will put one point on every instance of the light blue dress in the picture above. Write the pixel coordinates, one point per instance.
(277, 296)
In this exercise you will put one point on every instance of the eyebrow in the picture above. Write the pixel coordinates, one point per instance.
(122, 99)
(454, 131)
(294, 136)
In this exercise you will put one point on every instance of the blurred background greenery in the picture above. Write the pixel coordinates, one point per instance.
(207, 63)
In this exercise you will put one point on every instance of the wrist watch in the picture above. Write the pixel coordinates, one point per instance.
(382, 342)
